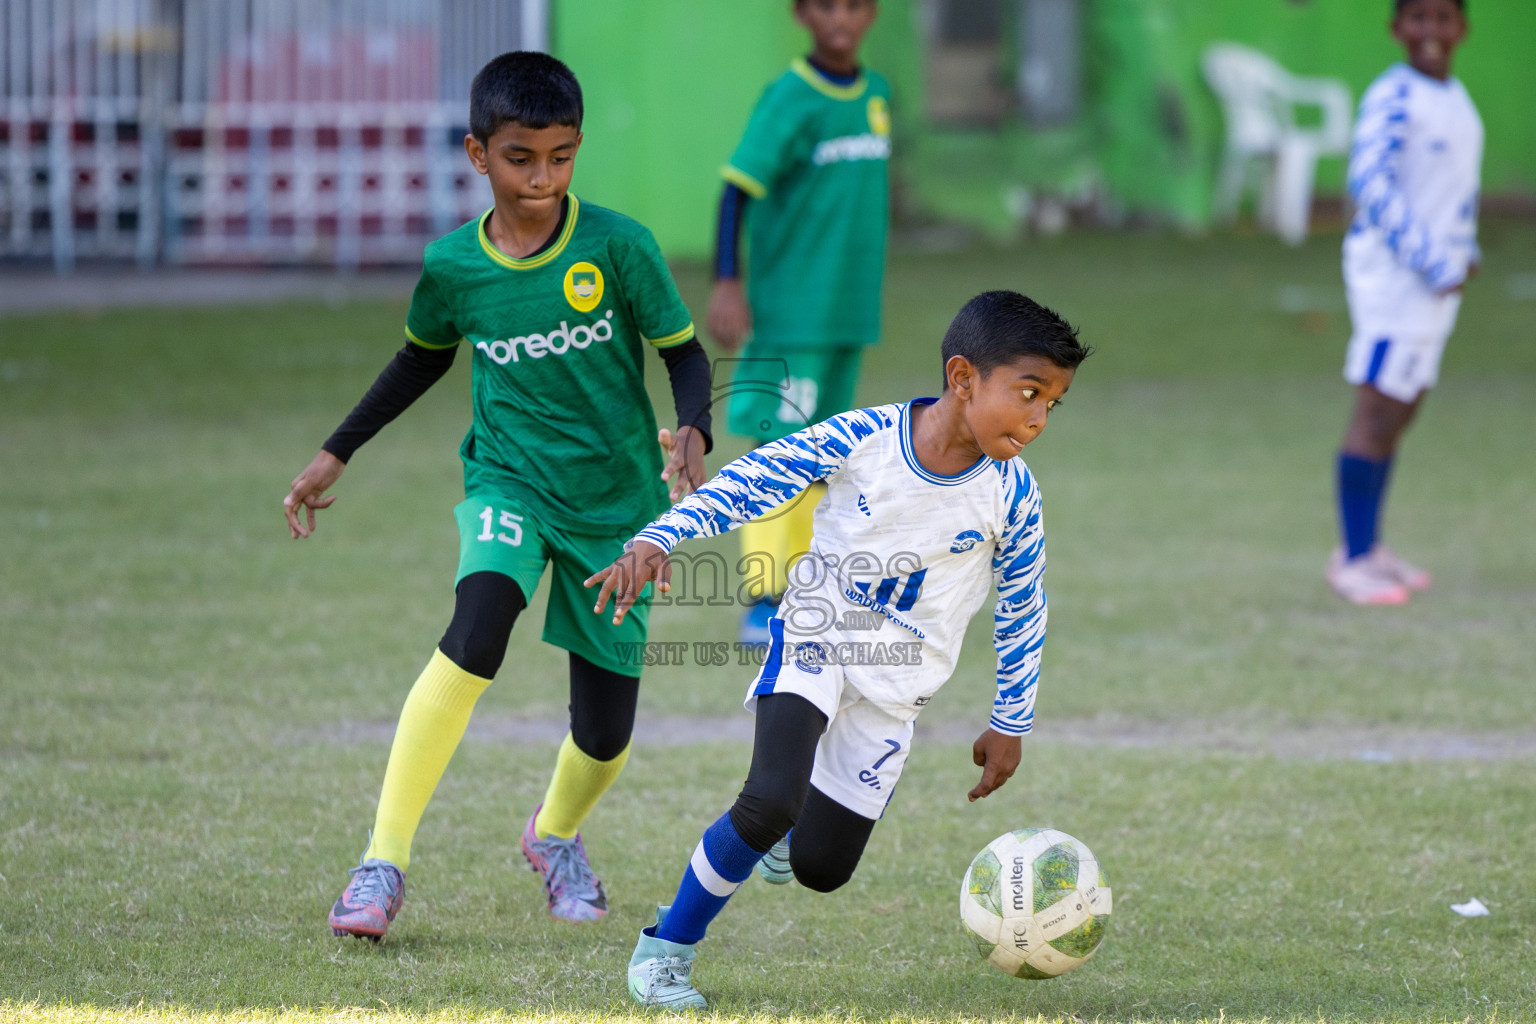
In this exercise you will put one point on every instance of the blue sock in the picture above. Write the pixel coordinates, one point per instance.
(1362, 483)
(720, 863)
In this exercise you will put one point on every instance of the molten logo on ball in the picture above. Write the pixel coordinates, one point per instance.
(1044, 914)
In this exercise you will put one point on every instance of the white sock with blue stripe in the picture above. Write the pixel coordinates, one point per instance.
(720, 863)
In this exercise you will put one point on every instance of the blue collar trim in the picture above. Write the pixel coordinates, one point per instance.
(910, 456)
(832, 76)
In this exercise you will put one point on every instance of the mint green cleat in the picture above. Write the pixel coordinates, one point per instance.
(659, 972)
(774, 867)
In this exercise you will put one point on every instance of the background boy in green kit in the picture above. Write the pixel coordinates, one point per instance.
(558, 300)
(812, 165)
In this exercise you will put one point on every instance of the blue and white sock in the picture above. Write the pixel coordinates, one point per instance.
(1362, 484)
(720, 863)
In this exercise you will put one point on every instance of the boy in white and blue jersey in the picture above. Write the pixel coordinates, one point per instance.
(1413, 173)
(927, 506)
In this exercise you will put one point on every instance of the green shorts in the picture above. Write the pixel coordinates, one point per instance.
(777, 391)
(499, 534)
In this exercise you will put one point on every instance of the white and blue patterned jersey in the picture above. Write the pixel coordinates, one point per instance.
(1414, 173)
(895, 545)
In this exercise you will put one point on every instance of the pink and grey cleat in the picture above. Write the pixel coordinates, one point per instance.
(1362, 581)
(370, 901)
(574, 892)
(1393, 567)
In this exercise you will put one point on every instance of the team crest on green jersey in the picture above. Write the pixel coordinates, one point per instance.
(879, 115)
(583, 287)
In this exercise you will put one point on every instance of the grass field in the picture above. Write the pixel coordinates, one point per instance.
(1287, 792)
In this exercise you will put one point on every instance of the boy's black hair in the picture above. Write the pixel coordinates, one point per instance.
(1398, 5)
(531, 88)
(996, 328)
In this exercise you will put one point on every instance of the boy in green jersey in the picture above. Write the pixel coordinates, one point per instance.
(558, 300)
(812, 166)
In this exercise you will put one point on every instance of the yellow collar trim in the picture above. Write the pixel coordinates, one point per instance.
(817, 81)
(547, 256)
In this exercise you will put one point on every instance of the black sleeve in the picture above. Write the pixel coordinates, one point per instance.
(688, 369)
(733, 206)
(407, 377)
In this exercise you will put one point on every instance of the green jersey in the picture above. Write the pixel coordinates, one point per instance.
(814, 159)
(562, 421)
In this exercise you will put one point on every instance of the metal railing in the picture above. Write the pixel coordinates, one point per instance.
(247, 131)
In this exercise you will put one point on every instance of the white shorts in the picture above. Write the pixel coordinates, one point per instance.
(860, 756)
(1398, 339)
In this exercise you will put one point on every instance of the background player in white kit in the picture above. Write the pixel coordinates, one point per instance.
(1413, 173)
(927, 505)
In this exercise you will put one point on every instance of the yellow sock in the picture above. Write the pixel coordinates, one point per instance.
(797, 525)
(778, 539)
(432, 722)
(761, 564)
(573, 791)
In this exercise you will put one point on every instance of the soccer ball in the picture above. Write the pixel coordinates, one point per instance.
(1036, 902)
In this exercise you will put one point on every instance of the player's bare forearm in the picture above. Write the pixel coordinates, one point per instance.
(640, 563)
(307, 492)
(685, 460)
(998, 758)
(730, 318)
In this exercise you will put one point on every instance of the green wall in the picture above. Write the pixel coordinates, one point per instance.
(668, 87)
(669, 84)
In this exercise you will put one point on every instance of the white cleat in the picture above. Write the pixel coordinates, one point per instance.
(1363, 581)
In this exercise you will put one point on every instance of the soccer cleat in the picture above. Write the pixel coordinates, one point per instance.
(370, 901)
(774, 867)
(1393, 567)
(659, 971)
(754, 621)
(574, 892)
(1361, 581)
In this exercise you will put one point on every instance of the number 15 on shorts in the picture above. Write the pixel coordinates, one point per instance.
(506, 528)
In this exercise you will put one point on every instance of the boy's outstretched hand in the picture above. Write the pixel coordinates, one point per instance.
(640, 563)
(1456, 289)
(307, 492)
(685, 459)
(998, 756)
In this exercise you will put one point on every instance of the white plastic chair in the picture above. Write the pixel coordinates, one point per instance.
(1259, 99)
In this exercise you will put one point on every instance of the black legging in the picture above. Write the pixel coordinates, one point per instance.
(485, 608)
(829, 838)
